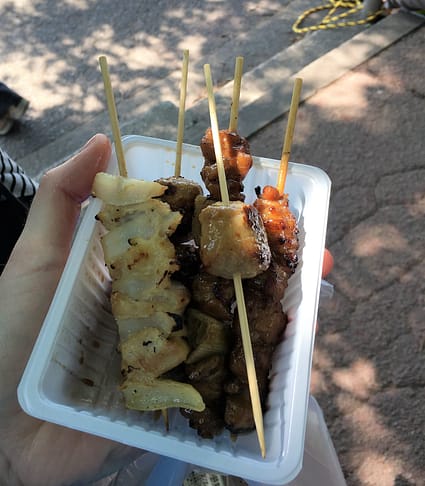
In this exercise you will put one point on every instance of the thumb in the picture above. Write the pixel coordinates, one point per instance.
(55, 209)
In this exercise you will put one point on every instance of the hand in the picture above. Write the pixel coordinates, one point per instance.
(33, 451)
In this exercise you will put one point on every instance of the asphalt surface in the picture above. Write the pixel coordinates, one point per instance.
(364, 127)
(366, 131)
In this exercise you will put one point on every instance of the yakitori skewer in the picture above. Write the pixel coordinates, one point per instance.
(237, 280)
(113, 117)
(143, 390)
(289, 134)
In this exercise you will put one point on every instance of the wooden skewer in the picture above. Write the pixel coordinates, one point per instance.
(179, 151)
(180, 125)
(237, 80)
(289, 134)
(118, 148)
(216, 135)
(237, 280)
(113, 117)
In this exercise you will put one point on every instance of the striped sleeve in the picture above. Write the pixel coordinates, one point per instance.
(14, 178)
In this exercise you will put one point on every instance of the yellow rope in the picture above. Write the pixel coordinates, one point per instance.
(333, 20)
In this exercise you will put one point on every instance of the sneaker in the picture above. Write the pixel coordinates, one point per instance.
(5, 125)
(16, 112)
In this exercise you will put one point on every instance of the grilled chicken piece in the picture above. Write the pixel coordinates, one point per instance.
(237, 161)
(187, 256)
(271, 284)
(238, 413)
(281, 226)
(121, 191)
(262, 359)
(267, 323)
(214, 295)
(180, 195)
(206, 369)
(201, 202)
(233, 240)
(266, 319)
(208, 423)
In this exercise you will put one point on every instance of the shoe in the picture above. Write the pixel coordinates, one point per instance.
(16, 112)
(5, 125)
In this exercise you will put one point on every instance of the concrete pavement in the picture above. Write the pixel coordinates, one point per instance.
(366, 131)
(362, 120)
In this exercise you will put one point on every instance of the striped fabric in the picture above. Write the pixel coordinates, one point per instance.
(14, 179)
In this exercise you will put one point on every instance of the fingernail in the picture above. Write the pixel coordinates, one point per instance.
(89, 142)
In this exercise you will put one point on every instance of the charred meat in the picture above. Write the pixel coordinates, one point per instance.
(237, 161)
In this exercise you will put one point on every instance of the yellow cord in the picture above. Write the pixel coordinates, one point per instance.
(332, 20)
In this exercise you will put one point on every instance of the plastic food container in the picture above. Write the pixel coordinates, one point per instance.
(73, 375)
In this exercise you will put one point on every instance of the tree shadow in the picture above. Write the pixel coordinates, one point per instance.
(50, 51)
(369, 361)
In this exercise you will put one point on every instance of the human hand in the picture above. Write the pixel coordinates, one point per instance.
(33, 451)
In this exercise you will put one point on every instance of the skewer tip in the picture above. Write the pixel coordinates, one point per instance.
(113, 116)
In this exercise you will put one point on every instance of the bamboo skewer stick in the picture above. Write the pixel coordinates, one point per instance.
(234, 112)
(113, 116)
(237, 280)
(216, 135)
(289, 135)
(179, 151)
(180, 124)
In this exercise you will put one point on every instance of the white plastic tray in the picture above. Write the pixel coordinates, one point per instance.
(73, 374)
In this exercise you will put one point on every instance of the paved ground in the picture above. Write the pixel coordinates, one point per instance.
(365, 131)
(364, 128)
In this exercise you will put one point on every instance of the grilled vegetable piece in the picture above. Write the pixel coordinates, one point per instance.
(120, 190)
(160, 393)
(207, 336)
(152, 222)
(233, 240)
(160, 320)
(153, 352)
(173, 299)
(201, 202)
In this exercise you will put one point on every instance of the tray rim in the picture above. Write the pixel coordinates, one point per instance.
(38, 405)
